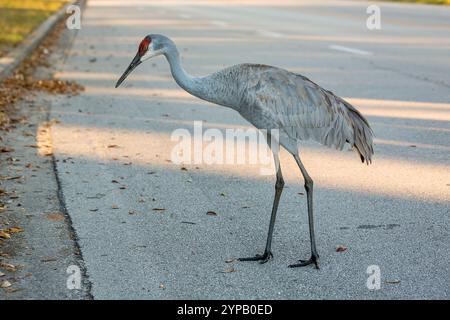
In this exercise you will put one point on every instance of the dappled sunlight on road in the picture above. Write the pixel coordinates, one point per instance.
(403, 109)
(330, 169)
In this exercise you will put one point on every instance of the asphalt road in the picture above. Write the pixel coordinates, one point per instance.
(113, 149)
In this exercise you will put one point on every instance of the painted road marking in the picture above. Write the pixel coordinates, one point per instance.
(218, 23)
(270, 34)
(184, 16)
(350, 50)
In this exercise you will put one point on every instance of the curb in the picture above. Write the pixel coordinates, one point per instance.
(14, 58)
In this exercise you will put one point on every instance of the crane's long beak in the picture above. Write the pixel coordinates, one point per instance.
(136, 61)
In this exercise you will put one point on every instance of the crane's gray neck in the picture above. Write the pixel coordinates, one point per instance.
(208, 88)
(191, 84)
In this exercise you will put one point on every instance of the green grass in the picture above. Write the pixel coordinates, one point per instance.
(424, 1)
(19, 17)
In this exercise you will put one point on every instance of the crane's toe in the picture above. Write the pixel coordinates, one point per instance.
(313, 260)
(262, 258)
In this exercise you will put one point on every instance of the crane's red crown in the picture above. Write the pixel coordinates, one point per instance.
(143, 46)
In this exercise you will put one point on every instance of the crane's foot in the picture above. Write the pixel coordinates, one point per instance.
(313, 260)
(262, 258)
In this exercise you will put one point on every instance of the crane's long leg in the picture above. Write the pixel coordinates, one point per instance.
(309, 194)
(278, 189)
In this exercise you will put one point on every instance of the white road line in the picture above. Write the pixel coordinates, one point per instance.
(218, 23)
(184, 16)
(350, 50)
(270, 34)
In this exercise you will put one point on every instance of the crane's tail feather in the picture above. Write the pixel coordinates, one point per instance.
(362, 134)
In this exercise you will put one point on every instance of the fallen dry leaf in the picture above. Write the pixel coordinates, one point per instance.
(4, 235)
(14, 230)
(10, 178)
(114, 206)
(8, 266)
(5, 284)
(6, 149)
(392, 281)
(341, 248)
(112, 146)
(229, 270)
(230, 260)
(1, 274)
(54, 216)
(211, 213)
(48, 259)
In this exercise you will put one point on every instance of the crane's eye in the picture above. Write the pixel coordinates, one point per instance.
(143, 46)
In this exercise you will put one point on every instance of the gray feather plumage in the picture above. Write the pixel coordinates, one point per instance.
(274, 98)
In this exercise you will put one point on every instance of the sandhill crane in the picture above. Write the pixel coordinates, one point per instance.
(272, 99)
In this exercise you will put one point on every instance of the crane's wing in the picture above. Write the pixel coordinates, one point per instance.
(304, 111)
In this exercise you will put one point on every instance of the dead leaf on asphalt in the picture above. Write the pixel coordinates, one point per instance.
(5, 284)
(12, 290)
(4, 235)
(183, 169)
(54, 216)
(211, 213)
(114, 181)
(230, 260)
(114, 206)
(1, 274)
(14, 230)
(341, 248)
(10, 178)
(392, 281)
(229, 270)
(112, 146)
(6, 149)
(8, 266)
